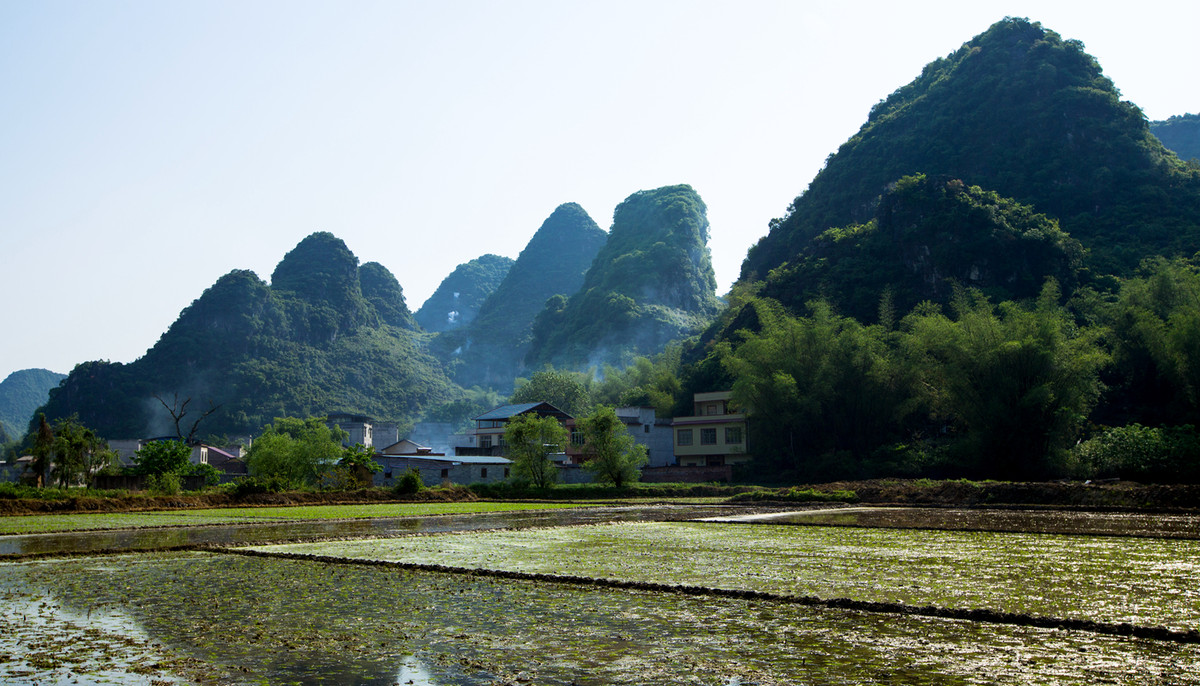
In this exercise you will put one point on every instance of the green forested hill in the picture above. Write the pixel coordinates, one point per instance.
(1020, 111)
(492, 349)
(928, 236)
(326, 336)
(1181, 135)
(458, 298)
(21, 393)
(651, 283)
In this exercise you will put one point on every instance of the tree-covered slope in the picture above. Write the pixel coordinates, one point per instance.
(1181, 135)
(928, 236)
(458, 298)
(492, 349)
(21, 393)
(651, 283)
(1020, 111)
(326, 336)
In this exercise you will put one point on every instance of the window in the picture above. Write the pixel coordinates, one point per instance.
(485, 441)
(576, 437)
(445, 473)
(708, 436)
(646, 428)
(733, 435)
(483, 472)
(684, 437)
(506, 472)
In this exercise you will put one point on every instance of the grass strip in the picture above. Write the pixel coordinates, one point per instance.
(62, 523)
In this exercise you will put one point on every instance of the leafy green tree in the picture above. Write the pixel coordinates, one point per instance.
(210, 474)
(531, 440)
(296, 452)
(825, 391)
(650, 382)
(613, 456)
(356, 467)
(1155, 332)
(568, 391)
(43, 449)
(163, 457)
(1019, 381)
(78, 452)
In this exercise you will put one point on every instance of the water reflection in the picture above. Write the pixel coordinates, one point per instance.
(248, 534)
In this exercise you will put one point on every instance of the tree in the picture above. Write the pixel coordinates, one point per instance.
(178, 410)
(613, 456)
(295, 451)
(1156, 344)
(78, 452)
(826, 391)
(646, 382)
(568, 391)
(355, 468)
(531, 440)
(43, 449)
(1019, 380)
(163, 457)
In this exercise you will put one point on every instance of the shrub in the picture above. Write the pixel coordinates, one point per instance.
(212, 475)
(1141, 453)
(253, 485)
(798, 495)
(409, 483)
(167, 483)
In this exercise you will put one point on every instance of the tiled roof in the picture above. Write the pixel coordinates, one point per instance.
(510, 411)
(455, 459)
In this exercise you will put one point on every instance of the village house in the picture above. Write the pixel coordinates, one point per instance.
(487, 437)
(364, 430)
(436, 468)
(714, 436)
(640, 423)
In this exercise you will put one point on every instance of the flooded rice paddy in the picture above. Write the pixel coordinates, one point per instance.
(1108, 579)
(218, 618)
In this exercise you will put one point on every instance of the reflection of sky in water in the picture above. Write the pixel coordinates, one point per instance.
(414, 673)
(45, 643)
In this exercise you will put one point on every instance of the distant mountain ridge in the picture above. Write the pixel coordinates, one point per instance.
(21, 394)
(491, 350)
(650, 284)
(459, 296)
(1181, 135)
(325, 336)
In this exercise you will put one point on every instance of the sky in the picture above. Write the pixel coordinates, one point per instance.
(147, 147)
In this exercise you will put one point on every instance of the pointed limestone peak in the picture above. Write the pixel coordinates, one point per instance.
(320, 269)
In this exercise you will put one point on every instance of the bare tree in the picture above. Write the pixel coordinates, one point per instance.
(178, 410)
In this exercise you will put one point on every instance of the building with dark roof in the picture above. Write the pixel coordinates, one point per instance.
(487, 438)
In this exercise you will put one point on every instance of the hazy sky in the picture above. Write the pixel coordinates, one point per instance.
(147, 148)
